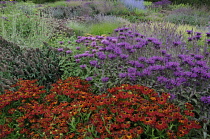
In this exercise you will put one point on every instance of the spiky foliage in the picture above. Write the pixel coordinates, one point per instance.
(27, 63)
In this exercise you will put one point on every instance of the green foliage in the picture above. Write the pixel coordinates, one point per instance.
(97, 25)
(79, 28)
(28, 63)
(103, 28)
(60, 40)
(191, 2)
(180, 18)
(23, 27)
(147, 3)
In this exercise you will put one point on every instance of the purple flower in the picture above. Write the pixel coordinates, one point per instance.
(94, 63)
(69, 42)
(122, 75)
(150, 39)
(177, 43)
(68, 51)
(89, 78)
(61, 42)
(189, 31)
(150, 61)
(198, 57)
(162, 79)
(198, 33)
(208, 34)
(83, 66)
(208, 41)
(102, 56)
(112, 56)
(146, 72)
(197, 37)
(142, 59)
(170, 65)
(138, 65)
(172, 96)
(77, 60)
(124, 56)
(78, 48)
(132, 70)
(157, 44)
(105, 79)
(163, 52)
(60, 49)
(205, 99)
(190, 39)
(93, 44)
(105, 42)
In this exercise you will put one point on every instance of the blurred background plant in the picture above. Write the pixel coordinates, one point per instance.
(21, 26)
(96, 25)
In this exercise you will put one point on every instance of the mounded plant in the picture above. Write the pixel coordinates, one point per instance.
(70, 110)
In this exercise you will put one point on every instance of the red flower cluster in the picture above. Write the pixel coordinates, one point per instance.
(69, 110)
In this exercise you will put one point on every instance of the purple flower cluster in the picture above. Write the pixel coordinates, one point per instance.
(135, 58)
(205, 99)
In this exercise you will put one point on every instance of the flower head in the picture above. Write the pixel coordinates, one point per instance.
(60, 49)
(68, 51)
(89, 78)
(105, 79)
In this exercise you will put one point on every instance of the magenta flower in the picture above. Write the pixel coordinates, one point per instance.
(105, 79)
(60, 49)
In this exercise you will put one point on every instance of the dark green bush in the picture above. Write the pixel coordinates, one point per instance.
(27, 63)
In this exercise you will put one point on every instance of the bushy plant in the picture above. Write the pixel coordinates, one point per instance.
(70, 110)
(6, 77)
(28, 63)
(189, 16)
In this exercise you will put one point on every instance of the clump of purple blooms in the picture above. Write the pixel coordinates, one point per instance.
(205, 99)
(131, 57)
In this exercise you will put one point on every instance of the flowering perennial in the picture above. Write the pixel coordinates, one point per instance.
(70, 110)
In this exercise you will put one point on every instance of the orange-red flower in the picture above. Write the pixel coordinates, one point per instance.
(120, 118)
(149, 120)
(189, 113)
(161, 125)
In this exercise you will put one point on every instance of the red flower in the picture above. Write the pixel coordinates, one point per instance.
(161, 125)
(103, 111)
(100, 128)
(189, 113)
(139, 130)
(125, 124)
(151, 112)
(161, 100)
(149, 120)
(184, 130)
(189, 106)
(120, 118)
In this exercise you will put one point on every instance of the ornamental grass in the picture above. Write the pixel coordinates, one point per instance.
(70, 110)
